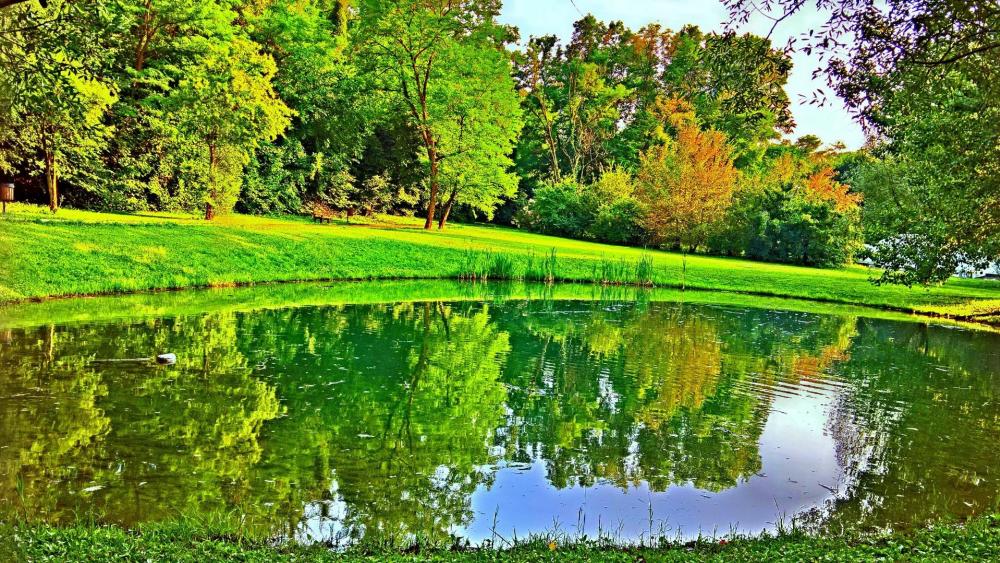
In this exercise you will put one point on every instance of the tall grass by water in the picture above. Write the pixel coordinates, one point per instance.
(493, 265)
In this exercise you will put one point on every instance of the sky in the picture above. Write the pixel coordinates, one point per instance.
(831, 122)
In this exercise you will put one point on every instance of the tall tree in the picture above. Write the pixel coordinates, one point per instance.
(476, 149)
(572, 102)
(922, 76)
(160, 43)
(736, 84)
(415, 49)
(228, 108)
(333, 116)
(54, 96)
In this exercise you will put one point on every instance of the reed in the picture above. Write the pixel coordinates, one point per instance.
(542, 269)
(621, 272)
(490, 265)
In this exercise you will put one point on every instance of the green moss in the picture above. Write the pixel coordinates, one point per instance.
(78, 252)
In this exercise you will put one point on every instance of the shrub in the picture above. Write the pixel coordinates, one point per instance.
(792, 227)
(619, 223)
(605, 210)
(559, 209)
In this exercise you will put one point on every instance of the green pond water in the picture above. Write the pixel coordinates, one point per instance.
(438, 410)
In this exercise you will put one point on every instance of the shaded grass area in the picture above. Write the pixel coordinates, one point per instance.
(81, 253)
(977, 540)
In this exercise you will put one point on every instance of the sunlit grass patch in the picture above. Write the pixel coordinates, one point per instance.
(84, 247)
(76, 252)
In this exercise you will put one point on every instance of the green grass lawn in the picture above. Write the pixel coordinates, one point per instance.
(78, 252)
(979, 540)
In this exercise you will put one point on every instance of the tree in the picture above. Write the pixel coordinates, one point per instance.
(422, 52)
(922, 76)
(155, 45)
(333, 115)
(933, 190)
(573, 104)
(685, 185)
(478, 140)
(618, 214)
(793, 209)
(53, 103)
(736, 84)
(559, 209)
(229, 107)
(795, 227)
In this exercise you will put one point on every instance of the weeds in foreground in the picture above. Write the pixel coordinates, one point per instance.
(209, 540)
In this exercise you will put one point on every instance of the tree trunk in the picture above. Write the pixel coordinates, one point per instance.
(209, 208)
(684, 269)
(551, 141)
(432, 200)
(145, 36)
(52, 181)
(447, 209)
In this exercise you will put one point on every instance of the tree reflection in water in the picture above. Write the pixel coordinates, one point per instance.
(389, 421)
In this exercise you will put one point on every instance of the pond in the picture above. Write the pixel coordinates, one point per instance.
(429, 409)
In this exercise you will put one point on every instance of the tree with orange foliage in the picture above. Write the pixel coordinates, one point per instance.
(685, 185)
(823, 186)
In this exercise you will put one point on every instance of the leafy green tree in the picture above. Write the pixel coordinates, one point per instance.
(619, 214)
(932, 192)
(560, 209)
(794, 210)
(486, 122)
(573, 106)
(736, 85)
(606, 210)
(317, 80)
(792, 227)
(423, 52)
(229, 108)
(155, 44)
(375, 195)
(922, 76)
(54, 98)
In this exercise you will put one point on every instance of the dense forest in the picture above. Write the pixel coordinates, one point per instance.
(673, 139)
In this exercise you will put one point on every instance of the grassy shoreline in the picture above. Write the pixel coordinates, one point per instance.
(77, 253)
(977, 540)
(146, 305)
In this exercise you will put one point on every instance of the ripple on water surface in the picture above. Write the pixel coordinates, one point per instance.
(493, 419)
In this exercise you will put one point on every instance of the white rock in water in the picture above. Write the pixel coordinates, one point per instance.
(166, 359)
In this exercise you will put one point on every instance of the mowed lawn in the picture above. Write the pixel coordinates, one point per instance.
(78, 252)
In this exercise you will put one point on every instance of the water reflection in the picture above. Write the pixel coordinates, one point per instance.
(471, 418)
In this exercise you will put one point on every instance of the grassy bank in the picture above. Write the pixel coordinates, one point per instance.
(137, 306)
(82, 253)
(978, 540)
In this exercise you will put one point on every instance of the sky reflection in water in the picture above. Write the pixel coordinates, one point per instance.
(476, 419)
